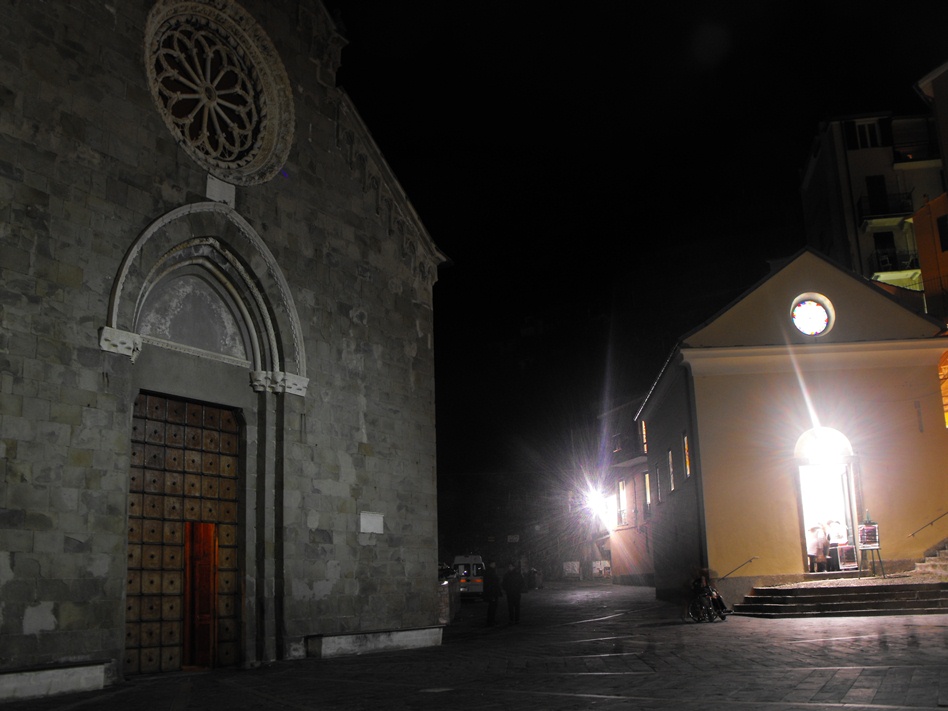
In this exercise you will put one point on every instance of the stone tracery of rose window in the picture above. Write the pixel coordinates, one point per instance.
(207, 88)
(220, 87)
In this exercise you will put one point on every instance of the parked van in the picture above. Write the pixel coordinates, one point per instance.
(470, 570)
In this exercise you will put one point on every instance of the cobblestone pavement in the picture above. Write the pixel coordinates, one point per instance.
(587, 646)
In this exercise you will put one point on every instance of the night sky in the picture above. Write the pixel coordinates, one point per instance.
(604, 176)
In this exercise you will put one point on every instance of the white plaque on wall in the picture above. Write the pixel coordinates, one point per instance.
(370, 522)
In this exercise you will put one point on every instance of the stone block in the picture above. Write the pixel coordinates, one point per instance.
(11, 404)
(50, 541)
(53, 434)
(36, 409)
(79, 457)
(63, 498)
(87, 438)
(70, 276)
(17, 428)
(49, 682)
(38, 521)
(83, 398)
(65, 414)
(21, 592)
(74, 477)
(26, 496)
(53, 351)
(15, 541)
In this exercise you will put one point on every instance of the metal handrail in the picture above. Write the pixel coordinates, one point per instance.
(930, 523)
(740, 566)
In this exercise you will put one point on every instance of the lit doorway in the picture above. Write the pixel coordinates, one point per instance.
(827, 500)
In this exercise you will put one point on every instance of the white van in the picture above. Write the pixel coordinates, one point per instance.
(470, 570)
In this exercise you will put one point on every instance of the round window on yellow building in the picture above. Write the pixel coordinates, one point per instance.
(812, 314)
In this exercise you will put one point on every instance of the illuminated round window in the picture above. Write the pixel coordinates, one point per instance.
(812, 314)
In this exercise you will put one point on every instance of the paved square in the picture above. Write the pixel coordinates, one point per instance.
(588, 646)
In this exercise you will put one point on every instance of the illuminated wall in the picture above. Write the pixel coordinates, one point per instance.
(932, 258)
(750, 385)
(630, 543)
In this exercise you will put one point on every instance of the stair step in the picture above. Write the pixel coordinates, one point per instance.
(932, 566)
(846, 600)
(869, 612)
(830, 606)
(849, 596)
(868, 588)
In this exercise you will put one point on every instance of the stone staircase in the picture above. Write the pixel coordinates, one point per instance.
(923, 591)
(935, 564)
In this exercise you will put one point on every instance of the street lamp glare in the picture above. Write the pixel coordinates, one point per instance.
(598, 504)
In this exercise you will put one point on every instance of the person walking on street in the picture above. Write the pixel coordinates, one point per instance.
(491, 591)
(513, 587)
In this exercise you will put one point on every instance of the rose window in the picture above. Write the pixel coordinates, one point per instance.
(220, 88)
(207, 90)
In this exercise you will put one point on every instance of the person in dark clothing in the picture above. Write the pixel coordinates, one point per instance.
(513, 587)
(702, 586)
(491, 591)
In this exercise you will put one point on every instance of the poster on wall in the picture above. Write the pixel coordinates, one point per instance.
(869, 536)
(602, 569)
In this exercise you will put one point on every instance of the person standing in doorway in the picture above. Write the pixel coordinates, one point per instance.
(816, 548)
(491, 591)
(513, 587)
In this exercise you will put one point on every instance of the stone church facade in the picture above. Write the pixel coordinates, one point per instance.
(216, 358)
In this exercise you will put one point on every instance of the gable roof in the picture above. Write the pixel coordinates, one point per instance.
(761, 316)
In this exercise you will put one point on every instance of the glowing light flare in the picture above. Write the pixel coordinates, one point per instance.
(810, 317)
(601, 506)
(823, 446)
(804, 391)
(812, 314)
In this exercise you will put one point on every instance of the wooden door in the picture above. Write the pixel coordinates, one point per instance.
(181, 588)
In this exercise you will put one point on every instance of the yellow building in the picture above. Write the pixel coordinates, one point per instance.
(813, 398)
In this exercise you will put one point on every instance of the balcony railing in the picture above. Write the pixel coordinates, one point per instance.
(891, 205)
(915, 152)
(890, 260)
(625, 447)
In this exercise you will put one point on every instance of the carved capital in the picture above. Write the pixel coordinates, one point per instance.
(278, 382)
(112, 340)
(296, 384)
(260, 380)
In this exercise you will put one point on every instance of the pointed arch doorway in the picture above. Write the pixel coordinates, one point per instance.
(827, 496)
(198, 304)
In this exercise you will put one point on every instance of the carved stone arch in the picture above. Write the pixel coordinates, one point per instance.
(205, 259)
(210, 249)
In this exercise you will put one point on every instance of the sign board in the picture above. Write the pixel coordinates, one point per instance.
(571, 568)
(847, 557)
(869, 536)
(371, 522)
(602, 569)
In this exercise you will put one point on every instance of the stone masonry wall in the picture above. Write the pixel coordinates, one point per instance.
(86, 164)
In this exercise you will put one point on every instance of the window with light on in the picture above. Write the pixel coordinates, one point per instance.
(812, 314)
